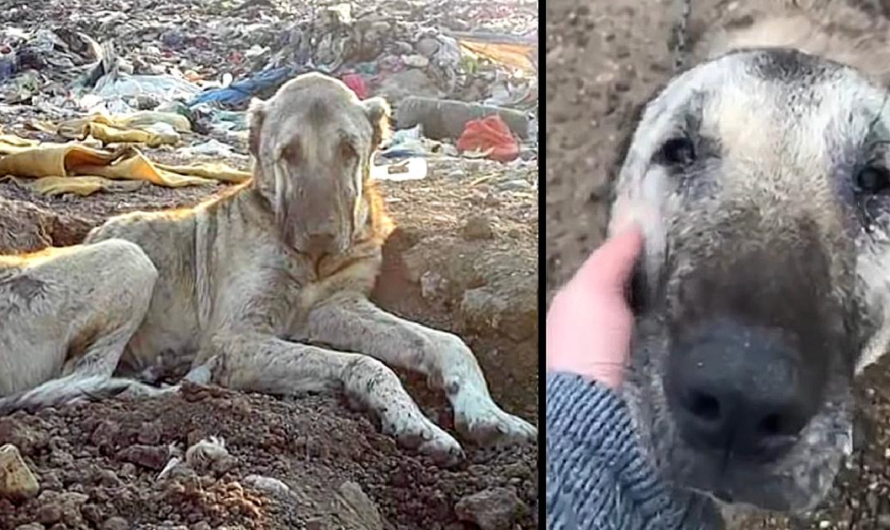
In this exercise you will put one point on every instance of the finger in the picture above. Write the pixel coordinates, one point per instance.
(611, 264)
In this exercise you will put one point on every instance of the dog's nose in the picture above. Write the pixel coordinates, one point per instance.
(739, 391)
(321, 243)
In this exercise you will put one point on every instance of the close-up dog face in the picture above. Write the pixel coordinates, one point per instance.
(761, 182)
(312, 143)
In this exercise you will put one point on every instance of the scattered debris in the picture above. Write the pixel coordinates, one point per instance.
(181, 78)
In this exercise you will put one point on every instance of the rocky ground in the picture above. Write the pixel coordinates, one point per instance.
(603, 59)
(463, 258)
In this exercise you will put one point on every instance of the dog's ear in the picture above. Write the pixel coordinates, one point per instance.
(256, 115)
(378, 112)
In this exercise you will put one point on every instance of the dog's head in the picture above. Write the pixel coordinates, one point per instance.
(312, 145)
(761, 181)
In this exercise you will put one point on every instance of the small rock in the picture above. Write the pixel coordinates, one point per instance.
(49, 513)
(478, 227)
(515, 185)
(202, 525)
(109, 479)
(31, 526)
(16, 479)
(92, 513)
(149, 434)
(151, 457)
(362, 507)
(51, 481)
(27, 439)
(115, 523)
(316, 524)
(267, 484)
(491, 509)
(104, 433)
(432, 285)
(483, 309)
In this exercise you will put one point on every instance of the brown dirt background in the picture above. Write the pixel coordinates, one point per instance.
(471, 225)
(603, 59)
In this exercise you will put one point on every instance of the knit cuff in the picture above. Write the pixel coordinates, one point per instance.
(585, 414)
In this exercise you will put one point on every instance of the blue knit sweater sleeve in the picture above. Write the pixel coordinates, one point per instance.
(597, 476)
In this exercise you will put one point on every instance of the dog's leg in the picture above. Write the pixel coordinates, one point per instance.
(261, 363)
(353, 323)
(70, 312)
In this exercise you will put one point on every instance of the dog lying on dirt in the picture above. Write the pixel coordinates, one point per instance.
(761, 179)
(263, 289)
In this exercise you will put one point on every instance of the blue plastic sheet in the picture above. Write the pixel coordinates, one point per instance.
(241, 91)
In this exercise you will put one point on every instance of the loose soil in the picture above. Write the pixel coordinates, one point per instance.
(603, 59)
(469, 227)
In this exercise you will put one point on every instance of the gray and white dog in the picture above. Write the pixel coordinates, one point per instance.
(761, 179)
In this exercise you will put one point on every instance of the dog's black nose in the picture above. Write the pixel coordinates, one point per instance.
(320, 244)
(740, 391)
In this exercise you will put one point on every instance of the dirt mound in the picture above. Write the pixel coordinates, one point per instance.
(97, 465)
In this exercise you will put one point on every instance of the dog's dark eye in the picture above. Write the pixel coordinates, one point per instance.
(677, 151)
(291, 153)
(873, 179)
(347, 151)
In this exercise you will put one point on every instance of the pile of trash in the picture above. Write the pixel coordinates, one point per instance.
(459, 73)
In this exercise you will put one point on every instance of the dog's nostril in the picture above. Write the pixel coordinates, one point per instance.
(771, 425)
(704, 406)
(726, 395)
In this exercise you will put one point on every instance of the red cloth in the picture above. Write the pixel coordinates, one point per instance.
(357, 84)
(489, 133)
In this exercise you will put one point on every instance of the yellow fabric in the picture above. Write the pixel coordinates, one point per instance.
(219, 172)
(147, 118)
(66, 164)
(82, 186)
(116, 130)
(515, 55)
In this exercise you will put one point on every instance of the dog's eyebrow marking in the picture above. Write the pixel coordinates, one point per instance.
(786, 65)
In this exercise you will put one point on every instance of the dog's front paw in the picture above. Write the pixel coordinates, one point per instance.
(413, 430)
(479, 419)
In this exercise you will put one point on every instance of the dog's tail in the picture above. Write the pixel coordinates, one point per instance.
(70, 389)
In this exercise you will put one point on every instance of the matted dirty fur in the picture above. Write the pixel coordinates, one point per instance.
(264, 288)
(761, 178)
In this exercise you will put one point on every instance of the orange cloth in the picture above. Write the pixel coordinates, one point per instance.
(489, 134)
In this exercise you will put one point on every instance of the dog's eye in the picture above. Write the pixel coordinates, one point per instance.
(291, 153)
(347, 151)
(677, 152)
(873, 179)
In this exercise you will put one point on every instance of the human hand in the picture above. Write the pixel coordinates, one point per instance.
(589, 324)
